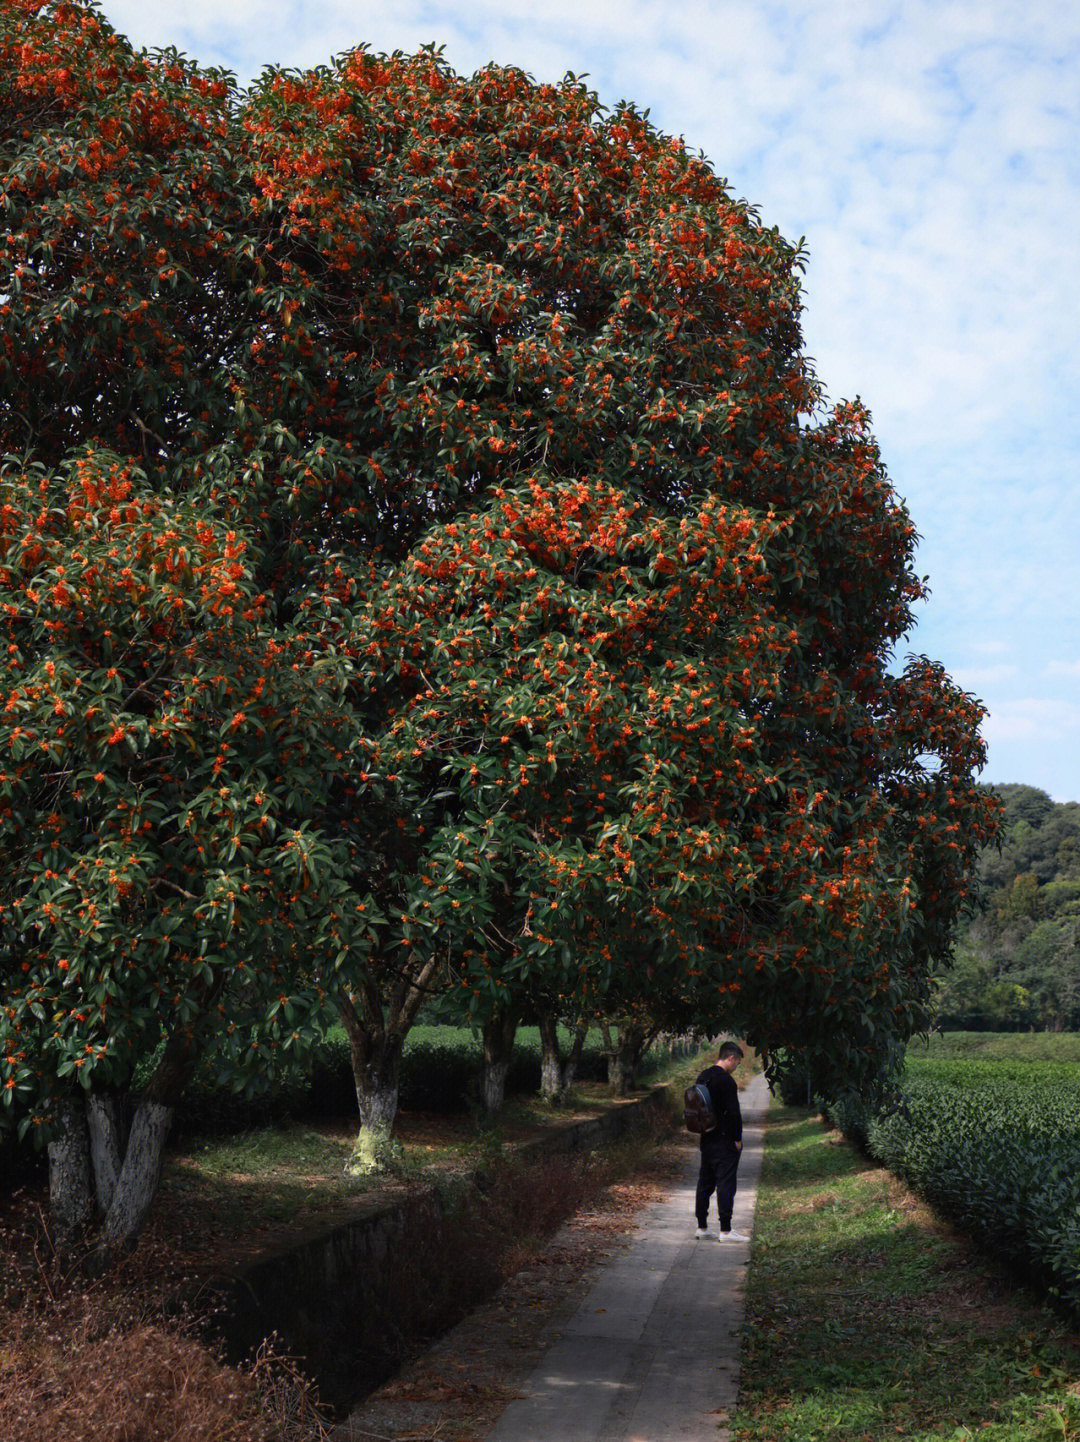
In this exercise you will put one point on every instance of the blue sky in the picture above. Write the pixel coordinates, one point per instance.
(928, 151)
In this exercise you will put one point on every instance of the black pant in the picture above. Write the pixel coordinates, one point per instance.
(719, 1165)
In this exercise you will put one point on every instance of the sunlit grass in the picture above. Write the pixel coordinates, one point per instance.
(275, 1175)
(867, 1319)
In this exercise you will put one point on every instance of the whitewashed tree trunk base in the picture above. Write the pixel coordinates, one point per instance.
(106, 1145)
(494, 1091)
(137, 1183)
(551, 1077)
(71, 1193)
(375, 1150)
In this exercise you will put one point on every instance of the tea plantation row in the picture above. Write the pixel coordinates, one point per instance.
(994, 1146)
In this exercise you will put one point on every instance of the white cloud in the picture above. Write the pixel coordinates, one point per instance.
(1033, 720)
(976, 678)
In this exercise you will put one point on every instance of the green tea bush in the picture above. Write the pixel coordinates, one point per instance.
(850, 1115)
(1063, 1046)
(994, 1146)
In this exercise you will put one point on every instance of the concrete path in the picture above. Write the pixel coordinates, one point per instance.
(652, 1355)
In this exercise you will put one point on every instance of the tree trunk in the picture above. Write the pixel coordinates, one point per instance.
(376, 1072)
(97, 1172)
(556, 1074)
(577, 1046)
(500, 1029)
(620, 1072)
(625, 1057)
(92, 1175)
(71, 1194)
(106, 1144)
(607, 1044)
(551, 1064)
(377, 1036)
(137, 1183)
(374, 1150)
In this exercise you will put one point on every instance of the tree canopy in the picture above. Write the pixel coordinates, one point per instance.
(420, 513)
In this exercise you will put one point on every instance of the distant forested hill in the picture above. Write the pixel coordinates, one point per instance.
(1018, 958)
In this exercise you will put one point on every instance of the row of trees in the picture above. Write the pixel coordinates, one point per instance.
(1018, 953)
(427, 562)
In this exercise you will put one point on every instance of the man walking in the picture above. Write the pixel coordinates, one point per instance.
(721, 1148)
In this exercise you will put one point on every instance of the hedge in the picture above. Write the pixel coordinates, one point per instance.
(995, 1147)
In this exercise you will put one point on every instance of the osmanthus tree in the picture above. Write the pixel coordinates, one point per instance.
(552, 296)
(126, 268)
(626, 773)
(167, 732)
(163, 751)
(366, 309)
(576, 723)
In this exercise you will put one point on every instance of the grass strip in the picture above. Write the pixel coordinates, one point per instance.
(868, 1318)
(273, 1176)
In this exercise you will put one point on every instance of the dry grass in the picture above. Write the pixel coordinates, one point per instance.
(101, 1360)
(137, 1385)
(87, 1360)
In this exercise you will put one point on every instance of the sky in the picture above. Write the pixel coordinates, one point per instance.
(928, 152)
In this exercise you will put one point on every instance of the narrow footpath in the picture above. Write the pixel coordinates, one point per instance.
(649, 1351)
(652, 1354)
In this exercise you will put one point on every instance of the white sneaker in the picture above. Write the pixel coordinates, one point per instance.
(702, 1232)
(734, 1237)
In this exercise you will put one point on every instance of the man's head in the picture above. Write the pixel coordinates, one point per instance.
(729, 1056)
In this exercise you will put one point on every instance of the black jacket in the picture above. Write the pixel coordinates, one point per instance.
(725, 1100)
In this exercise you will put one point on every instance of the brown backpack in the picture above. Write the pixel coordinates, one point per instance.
(698, 1111)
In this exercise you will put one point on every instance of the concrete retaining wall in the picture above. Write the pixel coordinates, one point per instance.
(347, 1300)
